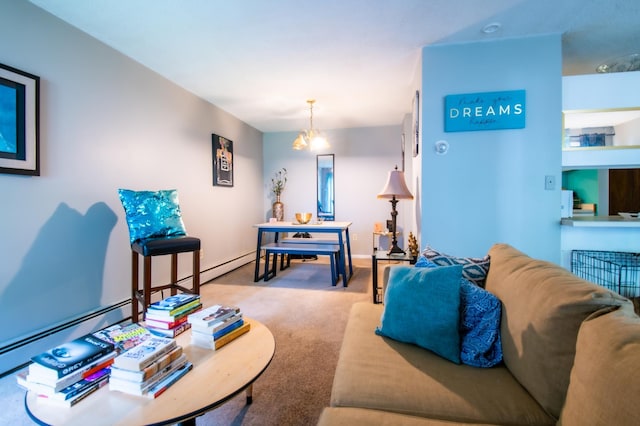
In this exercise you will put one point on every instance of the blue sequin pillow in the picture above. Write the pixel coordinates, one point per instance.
(480, 313)
(474, 269)
(152, 214)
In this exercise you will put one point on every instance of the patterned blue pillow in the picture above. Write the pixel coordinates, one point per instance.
(480, 313)
(152, 214)
(422, 307)
(474, 269)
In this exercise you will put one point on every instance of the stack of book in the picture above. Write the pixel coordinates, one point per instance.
(168, 317)
(68, 373)
(217, 325)
(149, 368)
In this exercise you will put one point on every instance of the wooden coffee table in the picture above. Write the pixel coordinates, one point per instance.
(216, 377)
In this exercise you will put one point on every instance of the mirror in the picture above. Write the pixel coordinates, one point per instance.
(601, 129)
(325, 187)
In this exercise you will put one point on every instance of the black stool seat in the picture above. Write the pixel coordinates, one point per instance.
(166, 245)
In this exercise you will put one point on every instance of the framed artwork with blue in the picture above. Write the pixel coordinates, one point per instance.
(222, 149)
(19, 122)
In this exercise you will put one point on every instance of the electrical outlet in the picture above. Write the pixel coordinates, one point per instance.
(201, 254)
(549, 182)
(354, 237)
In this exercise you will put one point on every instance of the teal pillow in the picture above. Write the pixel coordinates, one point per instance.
(152, 214)
(422, 307)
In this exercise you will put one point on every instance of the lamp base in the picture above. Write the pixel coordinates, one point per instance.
(396, 250)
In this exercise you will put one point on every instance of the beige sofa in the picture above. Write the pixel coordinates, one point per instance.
(571, 356)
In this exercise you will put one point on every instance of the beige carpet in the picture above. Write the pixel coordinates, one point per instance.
(307, 317)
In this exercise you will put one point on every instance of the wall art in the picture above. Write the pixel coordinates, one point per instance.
(19, 122)
(222, 153)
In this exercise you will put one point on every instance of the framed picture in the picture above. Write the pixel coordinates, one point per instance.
(415, 124)
(19, 122)
(222, 153)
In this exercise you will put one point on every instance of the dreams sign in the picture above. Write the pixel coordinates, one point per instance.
(485, 111)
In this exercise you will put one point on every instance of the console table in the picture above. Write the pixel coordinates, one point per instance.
(341, 229)
(383, 255)
(216, 377)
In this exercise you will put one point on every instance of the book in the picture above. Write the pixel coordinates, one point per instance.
(218, 334)
(172, 302)
(123, 337)
(68, 392)
(154, 316)
(146, 373)
(76, 398)
(210, 329)
(159, 314)
(172, 332)
(139, 357)
(165, 384)
(166, 325)
(69, 379)
(70, 356)
(140, 388)
(212, 314)
(217, 344)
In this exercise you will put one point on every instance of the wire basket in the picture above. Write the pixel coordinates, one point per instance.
(616, 271)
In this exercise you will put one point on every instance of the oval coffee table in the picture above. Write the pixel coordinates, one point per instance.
(216, 377)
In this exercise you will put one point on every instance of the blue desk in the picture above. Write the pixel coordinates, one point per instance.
(341, 229)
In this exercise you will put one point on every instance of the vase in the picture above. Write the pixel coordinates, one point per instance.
(278, 209)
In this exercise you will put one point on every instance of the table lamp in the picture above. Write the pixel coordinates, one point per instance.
(395, 189)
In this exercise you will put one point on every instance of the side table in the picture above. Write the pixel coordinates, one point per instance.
(383, 255)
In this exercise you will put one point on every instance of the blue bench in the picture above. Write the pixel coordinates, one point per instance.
(331, 250)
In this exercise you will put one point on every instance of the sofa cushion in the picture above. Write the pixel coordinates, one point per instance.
(543, 306)
(383, 374)
(474, 269)
(422, 307)
(343, 416)
(604, 384)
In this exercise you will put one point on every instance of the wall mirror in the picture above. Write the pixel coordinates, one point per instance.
(325, 187)
(601, 129)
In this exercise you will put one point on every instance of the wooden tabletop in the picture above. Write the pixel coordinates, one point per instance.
(215, 378)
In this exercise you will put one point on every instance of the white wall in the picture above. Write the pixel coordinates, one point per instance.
(363, 157)
(107, 122)
(489, 187)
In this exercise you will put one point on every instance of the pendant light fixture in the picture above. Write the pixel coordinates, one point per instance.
(311, 138)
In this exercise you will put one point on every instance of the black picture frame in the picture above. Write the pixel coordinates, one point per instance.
(222, 155)
(19, 122)
(415, 124)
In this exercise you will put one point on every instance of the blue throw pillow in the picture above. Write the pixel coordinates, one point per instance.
(152, 214)
(474, 269)
(480, 313)
(422, 307)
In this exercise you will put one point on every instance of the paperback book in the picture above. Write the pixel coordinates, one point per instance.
(68, 392)
(215, 327)
(199, 339)
(148, 372)
(69, 357)
(165, 384)
(65, 381)
(124, 337)
(165, 325)
(139, 357)
(76, 398)
(218, 334)
(140, 388)
(211, 315)
(172, 332)
(172, 302)
(162, 315)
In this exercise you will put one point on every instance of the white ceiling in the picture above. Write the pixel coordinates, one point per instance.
(261, 60)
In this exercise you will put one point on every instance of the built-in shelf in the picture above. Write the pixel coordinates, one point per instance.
(601, 222)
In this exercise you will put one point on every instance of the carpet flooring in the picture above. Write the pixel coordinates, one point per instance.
(307, 317)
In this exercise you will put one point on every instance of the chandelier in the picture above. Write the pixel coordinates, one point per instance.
(311, 137)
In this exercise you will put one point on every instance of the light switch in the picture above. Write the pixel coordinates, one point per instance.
(549, 182)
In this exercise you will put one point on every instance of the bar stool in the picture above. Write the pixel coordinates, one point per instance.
(156, 229)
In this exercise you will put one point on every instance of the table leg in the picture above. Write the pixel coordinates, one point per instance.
(250, 394)
(256, 273)
(343, 263)
(349, 252)
(374, 277)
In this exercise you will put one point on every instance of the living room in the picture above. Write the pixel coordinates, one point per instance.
(108, 122)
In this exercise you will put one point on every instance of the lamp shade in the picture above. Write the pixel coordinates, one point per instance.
(396, 187)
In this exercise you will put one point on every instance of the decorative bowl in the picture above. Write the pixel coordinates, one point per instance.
(303, 218)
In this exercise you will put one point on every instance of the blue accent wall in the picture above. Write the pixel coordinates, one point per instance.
(489, 186)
